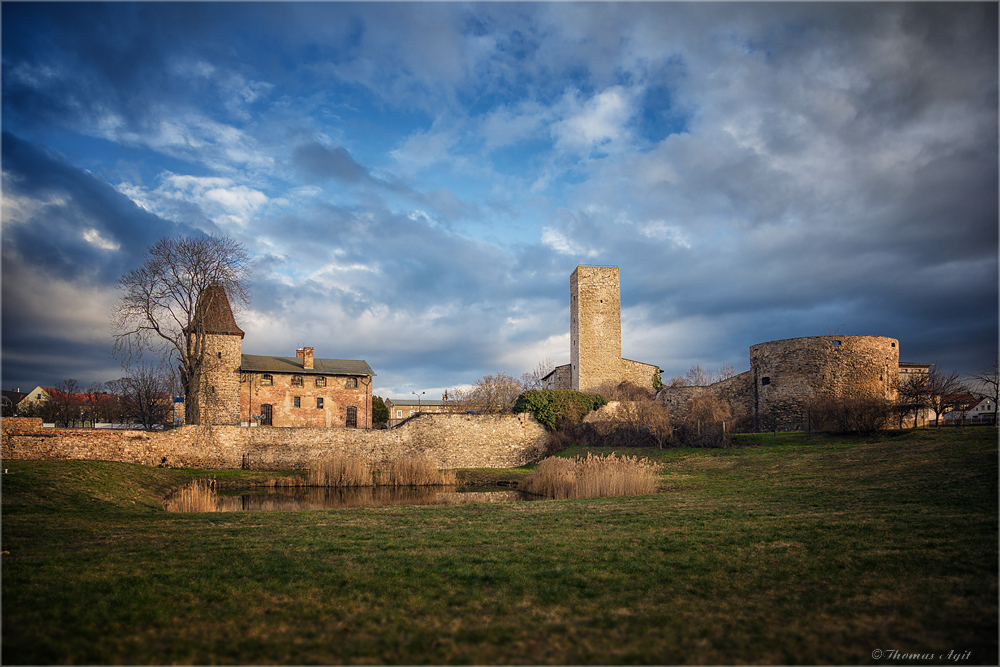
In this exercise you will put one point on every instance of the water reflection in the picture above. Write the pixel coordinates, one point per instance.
(200, 497)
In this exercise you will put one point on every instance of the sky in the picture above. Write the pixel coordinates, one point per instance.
(416, 182)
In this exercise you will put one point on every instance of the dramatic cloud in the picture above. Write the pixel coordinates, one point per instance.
(417, 181)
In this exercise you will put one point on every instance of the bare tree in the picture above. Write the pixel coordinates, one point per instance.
(491, 394)
(167, 301)
(145, 396)
(944, 391)
(67, 403)
(987, 380)
(697, 377)
(914, 396)
(725, 372)
(678, 381)
(533, 380)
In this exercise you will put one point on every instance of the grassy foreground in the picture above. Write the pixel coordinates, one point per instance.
(798, 550)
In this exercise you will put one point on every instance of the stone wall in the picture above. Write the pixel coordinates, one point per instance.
(786, 376)
(450, 440)
(790, 374)
(638, 373)
(737, 391)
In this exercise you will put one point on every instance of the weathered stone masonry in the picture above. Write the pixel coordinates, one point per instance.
(786, 376)
(450, 440)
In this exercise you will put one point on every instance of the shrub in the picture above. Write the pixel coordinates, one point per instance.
(556, 407)
(592, 477)
(862, 415)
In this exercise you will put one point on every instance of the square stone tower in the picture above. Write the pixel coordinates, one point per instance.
(595, 327)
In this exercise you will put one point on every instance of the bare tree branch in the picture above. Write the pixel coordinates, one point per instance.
(165, 302)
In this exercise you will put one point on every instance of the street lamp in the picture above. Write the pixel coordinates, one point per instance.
(418, 399)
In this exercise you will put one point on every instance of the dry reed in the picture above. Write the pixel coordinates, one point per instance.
(341, 470)
(592, 477)
(414, 471)
(198, 496)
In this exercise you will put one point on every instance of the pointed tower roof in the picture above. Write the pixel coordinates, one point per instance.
(215, 314)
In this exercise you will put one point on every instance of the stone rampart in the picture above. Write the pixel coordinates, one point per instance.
(790, 374)
(451, 440)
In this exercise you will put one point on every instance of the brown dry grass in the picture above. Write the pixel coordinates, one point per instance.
(341, 470)
(592, 477)
(413, 471)
(198, 496)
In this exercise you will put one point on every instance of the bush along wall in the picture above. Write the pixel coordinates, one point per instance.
(556, 407)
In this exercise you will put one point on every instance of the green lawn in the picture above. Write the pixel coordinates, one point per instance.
(798, 549)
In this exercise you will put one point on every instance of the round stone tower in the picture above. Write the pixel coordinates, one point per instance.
(214, 339)
(789, 374)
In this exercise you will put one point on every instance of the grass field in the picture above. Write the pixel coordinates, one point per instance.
(795, 550)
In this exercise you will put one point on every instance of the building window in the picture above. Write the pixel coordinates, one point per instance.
(352, 383)
(399, 414)
(265, 415)
(296, 380)
(266, 380)
(321, 381)
(297, 402)
(319, 403)
(765, 380)
(352, 417)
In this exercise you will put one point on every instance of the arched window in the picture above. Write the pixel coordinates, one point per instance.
(296, 380)
(352, 383)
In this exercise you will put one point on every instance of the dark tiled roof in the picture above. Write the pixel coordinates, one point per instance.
(412, 402)
(265, 364)
(215, 314)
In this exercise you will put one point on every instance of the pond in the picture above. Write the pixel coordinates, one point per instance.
(200, 497)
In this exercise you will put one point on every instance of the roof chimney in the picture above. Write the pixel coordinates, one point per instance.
(306, 355)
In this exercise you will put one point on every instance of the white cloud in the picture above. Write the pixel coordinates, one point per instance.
(94, 237)
(598, 121)
(220, 199)
(561, 243)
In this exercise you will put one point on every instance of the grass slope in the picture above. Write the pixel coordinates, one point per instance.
(800, 549)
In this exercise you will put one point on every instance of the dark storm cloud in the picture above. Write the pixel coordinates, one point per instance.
(419, 180)
(62, 206)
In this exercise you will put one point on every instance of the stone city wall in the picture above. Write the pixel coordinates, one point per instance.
(450, 440)
(790, 374)
(737, 391)
(638, 373)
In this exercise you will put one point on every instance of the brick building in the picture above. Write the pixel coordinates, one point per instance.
(305, 391)
(233, 388)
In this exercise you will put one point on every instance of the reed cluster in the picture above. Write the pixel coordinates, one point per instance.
(198, 496)
(592, 477)
(341, 470)
(414, 471)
